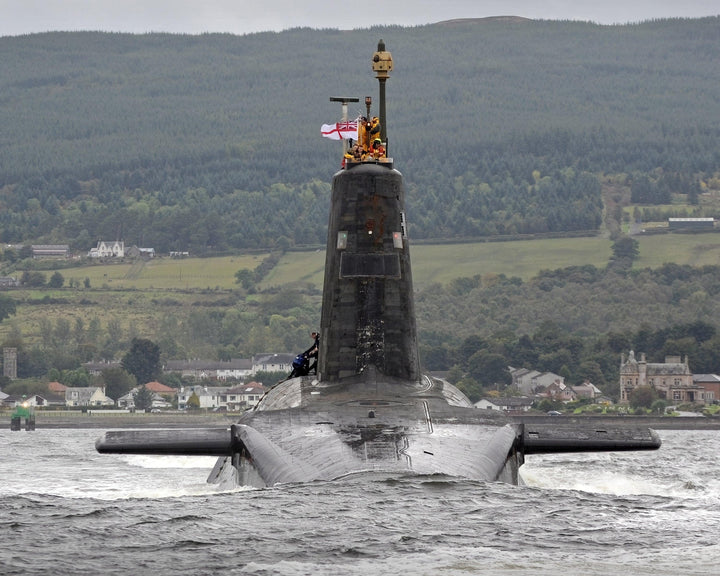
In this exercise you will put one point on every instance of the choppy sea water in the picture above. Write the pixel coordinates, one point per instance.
(67, 510)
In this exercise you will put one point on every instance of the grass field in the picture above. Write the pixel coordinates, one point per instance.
(431, 263)
(306, 267)
(166, 273)
(524, 259)
(692, 249)
(443, 263)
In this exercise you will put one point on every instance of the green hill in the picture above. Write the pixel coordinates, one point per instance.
(210, 143)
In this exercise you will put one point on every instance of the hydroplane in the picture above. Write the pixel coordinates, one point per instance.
(369, 407)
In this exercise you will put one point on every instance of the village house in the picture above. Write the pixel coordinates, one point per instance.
(510, 405)
(110, 249)
(587, 390)
(208, 396)
(56, 394)
(672, 379)
(128, 400)
(87, 396)
(242, 397)
(160, 388)
(559, 391)
(236, 368)
(56, 388)
(198, 369)
(135, 252)
(34, 400)
(161, 397)
(522, 379)
(710, 384)
(9, 282)
(529, 381)
(272, 363)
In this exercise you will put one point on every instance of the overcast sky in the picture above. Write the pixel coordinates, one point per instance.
(246, 16)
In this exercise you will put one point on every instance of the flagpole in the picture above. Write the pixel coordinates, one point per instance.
(344, 101)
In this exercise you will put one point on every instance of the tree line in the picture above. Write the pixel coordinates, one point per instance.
(573, 321)
(210, 143)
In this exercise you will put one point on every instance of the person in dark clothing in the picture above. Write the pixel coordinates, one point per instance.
(299, 366)
(312, 352)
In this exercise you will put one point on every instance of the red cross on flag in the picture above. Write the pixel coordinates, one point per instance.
(341, 130)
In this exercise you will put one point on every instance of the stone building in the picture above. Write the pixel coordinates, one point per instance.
(672, 379)
(10, 363)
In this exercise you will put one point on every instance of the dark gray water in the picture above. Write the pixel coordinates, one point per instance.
(68, 510)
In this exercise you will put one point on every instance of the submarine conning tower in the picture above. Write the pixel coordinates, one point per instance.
(368, 310)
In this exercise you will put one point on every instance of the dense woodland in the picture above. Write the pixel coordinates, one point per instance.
(211, 144)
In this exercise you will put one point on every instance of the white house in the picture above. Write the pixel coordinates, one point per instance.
(238, 368)
(208, 396)
(104, 249)
(34, 400)
(128, 401)
(512, 404)
(272, 363)
(87, 396)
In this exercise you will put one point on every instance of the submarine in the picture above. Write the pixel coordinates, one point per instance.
(369, 407)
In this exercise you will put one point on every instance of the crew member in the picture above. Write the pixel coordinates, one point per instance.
(312, 352)
(363, 133)
(378, 150)
(374, 128)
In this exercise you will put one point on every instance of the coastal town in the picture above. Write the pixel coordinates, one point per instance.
(231, 386)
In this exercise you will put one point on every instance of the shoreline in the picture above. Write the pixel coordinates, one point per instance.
(50, 420)
(654, 422)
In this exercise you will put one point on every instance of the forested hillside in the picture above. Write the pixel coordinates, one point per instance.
(211, 143)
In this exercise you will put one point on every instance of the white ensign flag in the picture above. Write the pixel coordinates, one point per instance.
(341, 130)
